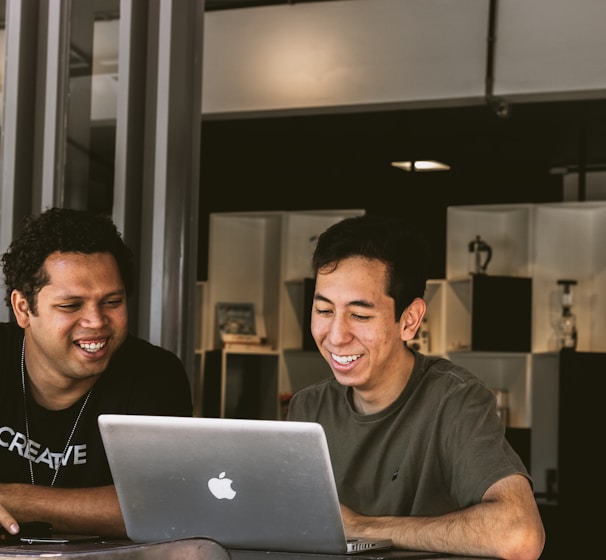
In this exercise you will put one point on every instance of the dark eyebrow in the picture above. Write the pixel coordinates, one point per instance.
(117, 293)
(320, 297)
(362, 303)
(75, 297)
(356, 303)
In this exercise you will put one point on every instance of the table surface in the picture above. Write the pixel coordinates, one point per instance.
(84, 550)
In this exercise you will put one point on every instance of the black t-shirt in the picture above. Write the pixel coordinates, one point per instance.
(141, 379)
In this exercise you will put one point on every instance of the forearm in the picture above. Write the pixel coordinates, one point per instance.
(470, 532)
(506, 524)
(69, 510)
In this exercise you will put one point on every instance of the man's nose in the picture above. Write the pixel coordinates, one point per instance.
(339, 332)
(94, 315)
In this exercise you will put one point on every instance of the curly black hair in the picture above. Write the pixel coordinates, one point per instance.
(67, 231)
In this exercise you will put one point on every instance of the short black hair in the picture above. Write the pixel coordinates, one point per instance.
(403, 249)
(66, 231)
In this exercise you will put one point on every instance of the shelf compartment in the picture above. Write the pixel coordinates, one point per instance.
(569, 244)
(507, 228)
(509, 371)
(244, 266)
(240, 385)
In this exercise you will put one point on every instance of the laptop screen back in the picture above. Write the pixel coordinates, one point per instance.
(250, 484)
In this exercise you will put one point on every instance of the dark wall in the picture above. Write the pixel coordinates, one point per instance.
(343, 161)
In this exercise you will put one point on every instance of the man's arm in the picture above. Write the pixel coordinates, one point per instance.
(506, 524)
(93, 511)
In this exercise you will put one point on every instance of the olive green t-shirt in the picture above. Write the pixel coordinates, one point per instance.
(436, 449)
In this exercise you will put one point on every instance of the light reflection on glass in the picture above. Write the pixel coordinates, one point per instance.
(91, 110)
(2, 51)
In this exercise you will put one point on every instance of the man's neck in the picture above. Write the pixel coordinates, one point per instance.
(371, 401)
(51, 391)
(53, 398)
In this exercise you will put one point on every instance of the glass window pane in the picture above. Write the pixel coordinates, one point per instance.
(2, 51)
(91, 110)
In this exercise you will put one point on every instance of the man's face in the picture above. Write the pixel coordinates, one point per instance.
(81, 317)
(353, 323)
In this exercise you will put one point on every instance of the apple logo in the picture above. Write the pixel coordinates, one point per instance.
(221, 487)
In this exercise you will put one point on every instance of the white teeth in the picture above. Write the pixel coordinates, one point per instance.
(92, 346)
(345, 359)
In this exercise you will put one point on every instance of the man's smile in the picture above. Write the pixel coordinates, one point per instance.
(345, 360)
(92, 346)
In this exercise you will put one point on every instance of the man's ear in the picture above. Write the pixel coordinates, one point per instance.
(411, 318)
(20, 308)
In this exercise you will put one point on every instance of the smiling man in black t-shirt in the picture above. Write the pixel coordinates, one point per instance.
(67, 358)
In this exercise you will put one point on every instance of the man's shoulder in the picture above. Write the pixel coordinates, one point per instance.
(314, 394)
(9, 336)
(441, 378)
(445, 369)
(143, 378)
(10, 349)
(133, 343)
(329, 384)
(8, 329)
(142, 353)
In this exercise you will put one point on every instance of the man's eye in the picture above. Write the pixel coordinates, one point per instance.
(113, 302)
(359, 317)
(323, 311)
(69, 306)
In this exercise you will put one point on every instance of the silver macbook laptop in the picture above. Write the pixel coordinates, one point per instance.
(248, 484)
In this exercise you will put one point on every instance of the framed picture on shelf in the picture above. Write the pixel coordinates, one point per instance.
(237, 322)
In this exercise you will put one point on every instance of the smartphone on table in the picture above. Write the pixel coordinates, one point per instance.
(41, 532)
